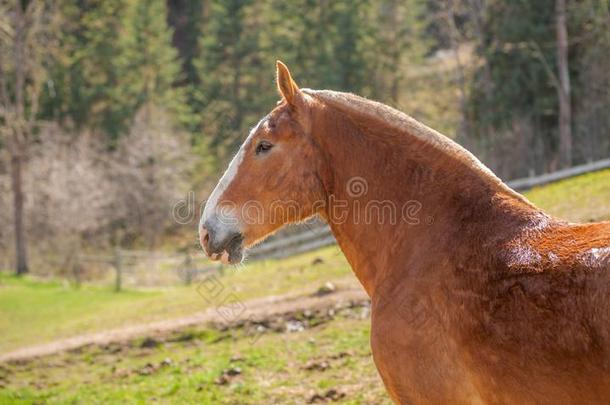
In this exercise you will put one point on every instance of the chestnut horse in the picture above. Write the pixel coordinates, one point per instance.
(477, 295)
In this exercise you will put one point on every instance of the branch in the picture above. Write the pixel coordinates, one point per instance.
(537, 52)
(4, 99)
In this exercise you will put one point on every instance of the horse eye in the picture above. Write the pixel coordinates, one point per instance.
(263, 147)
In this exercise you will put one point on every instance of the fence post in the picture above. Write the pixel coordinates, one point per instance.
(188, 268)
(75, 267)
(118, 266)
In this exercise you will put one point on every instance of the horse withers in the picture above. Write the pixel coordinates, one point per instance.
(477, 295)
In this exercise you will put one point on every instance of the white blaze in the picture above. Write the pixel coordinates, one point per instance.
(225, 181)
(211, 205)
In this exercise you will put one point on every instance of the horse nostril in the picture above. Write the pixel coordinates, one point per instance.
(236, 237)
(216, 237)
(204, 239)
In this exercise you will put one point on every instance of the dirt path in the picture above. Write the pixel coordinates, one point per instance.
(260, 308)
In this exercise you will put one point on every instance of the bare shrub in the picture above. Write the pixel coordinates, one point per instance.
(82, 195)
(150, 172)
(68, 196)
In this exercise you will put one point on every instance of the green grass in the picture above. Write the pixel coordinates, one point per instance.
(33, 312)
(584, 198)
(187, 371)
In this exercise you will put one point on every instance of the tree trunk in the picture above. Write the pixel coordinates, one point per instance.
(565, 110)
(18, 142)
(394, 53)
(18, 202)
(454, 38)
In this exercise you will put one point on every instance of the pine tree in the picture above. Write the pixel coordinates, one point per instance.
(398, 43)
(329, 43)
(85, 72)
(187, 18)
(27, 41)
(518, 47)
(231, 94)
(149, 63)
(116, 56)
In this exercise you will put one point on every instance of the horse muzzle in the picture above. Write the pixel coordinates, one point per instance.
(221, 241)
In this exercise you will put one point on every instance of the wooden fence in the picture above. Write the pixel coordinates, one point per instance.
(536, 181)
(146, 268)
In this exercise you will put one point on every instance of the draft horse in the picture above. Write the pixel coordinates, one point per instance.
(478, 296)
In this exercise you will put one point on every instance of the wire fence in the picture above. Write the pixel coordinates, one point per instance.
(133, 268)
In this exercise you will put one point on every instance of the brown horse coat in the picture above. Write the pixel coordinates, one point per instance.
(478, 297)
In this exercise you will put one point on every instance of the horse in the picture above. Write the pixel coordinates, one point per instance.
(477, 295)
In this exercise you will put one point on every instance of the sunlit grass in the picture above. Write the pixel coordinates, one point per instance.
(272, 370)
(35, 311)
(584, 198)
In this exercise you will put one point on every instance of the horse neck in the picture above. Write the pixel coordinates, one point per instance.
(439, 199)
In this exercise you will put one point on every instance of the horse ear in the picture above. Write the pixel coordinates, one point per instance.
(286, 86)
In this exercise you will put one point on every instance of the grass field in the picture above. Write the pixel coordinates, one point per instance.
(326, 361)
(330, 361)
(35, 311)
(584, 198)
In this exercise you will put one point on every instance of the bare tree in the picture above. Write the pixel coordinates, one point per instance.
(149, 169)
(563, 89)
(457, 38)
(69, 196)
(25, 43)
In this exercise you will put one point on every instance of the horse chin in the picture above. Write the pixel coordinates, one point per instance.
(232, 255)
